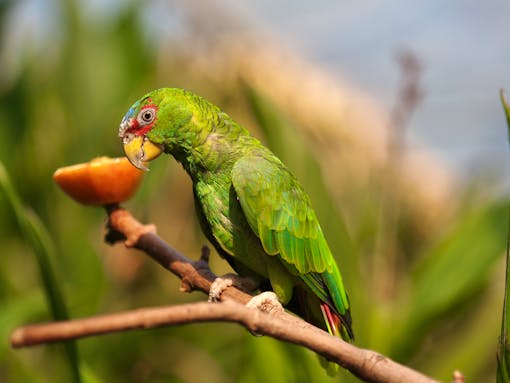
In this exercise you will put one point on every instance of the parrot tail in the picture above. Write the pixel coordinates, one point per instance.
(335, 324)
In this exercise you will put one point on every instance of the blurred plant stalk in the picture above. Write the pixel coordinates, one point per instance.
(388, 256)
(503, 351)
(34, 232)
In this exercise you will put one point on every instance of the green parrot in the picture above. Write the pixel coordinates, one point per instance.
(250, 206)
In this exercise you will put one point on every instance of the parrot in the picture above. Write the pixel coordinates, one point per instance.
(249, 205)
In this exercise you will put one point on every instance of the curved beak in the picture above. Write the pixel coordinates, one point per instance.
(139, 150)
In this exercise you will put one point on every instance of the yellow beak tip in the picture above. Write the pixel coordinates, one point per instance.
(139, 150)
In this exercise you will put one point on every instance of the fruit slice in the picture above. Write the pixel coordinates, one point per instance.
(101, 181)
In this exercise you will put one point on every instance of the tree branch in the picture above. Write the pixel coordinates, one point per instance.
(196, 275)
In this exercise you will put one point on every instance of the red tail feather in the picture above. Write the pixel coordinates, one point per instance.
(332, 320)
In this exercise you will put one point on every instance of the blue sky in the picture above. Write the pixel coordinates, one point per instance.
(464, 46)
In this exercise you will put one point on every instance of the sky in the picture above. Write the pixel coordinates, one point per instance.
(463, 45)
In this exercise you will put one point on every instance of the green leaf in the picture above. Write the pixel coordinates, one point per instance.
(38, 238)
(14, 310)
(506, 108)
(453, 271)
(503, 372)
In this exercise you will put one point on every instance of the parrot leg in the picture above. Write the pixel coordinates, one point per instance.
(266, 301)
(220, 284)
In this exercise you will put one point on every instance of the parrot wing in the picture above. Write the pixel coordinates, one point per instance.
(279, 212)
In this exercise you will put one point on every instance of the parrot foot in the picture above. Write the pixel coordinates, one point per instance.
(220, 284)
(266, 301)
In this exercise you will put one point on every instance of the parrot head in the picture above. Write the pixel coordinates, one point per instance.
(161, 121)
(140, 119)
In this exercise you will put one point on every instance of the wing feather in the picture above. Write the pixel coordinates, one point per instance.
(279, 212)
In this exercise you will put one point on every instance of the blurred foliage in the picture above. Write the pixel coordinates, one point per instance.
(430, 300)
(34, 233)
(504, 347)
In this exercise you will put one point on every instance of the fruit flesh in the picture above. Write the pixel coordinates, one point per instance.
(101, 181)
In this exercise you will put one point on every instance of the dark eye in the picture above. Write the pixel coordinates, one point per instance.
(146, 116)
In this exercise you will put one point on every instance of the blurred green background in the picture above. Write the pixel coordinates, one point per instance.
(421, 255)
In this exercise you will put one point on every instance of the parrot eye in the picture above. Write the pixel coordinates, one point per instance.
(146, 116)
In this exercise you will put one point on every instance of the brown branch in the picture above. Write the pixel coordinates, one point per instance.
(365, 364)
(195, 275)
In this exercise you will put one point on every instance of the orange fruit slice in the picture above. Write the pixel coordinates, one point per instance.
(101, 181)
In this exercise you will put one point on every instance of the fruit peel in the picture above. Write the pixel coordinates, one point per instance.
(101, 181)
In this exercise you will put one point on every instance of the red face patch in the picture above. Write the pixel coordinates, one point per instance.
(145, 119)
